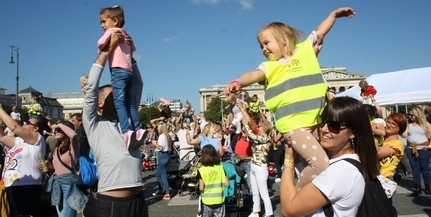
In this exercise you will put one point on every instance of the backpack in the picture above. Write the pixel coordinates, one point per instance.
(374, 203)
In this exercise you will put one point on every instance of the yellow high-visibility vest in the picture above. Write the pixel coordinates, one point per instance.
(295, 91)
(214, 179)
(32, 108)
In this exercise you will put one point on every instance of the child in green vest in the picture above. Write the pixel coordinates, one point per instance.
(212, 180)
(34, 108)
(295, 89)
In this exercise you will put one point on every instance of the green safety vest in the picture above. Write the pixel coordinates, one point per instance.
(214, 180)
(295, 91)
(254, 106)
(32, 107)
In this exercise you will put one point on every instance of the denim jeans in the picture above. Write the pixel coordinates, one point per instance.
(419, 165)
(247, 167)
(161, 172)
(125, 99)
(64, 210)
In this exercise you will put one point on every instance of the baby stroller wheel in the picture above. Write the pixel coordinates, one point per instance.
(180, 193)
(194, 195)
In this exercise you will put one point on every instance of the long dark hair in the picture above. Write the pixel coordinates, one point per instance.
(209, 156)
(66, 142)
(352, 113)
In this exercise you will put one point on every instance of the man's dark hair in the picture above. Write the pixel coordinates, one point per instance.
(78, 116)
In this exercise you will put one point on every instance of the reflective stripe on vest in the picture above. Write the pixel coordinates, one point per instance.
(214, 179)
(295, 91)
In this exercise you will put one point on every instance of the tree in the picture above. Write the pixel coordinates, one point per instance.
(215, 108)
(147, 113)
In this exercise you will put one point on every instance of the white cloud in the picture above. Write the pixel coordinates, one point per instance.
(170, 39)
(245, 4)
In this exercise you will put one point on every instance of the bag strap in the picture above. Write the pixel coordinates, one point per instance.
(64, 164)
(328, 209)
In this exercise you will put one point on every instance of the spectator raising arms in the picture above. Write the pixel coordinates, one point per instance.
(21, 174)
(120, 177)
(295, 89)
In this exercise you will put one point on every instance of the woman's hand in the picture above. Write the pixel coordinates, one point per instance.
(289, 153)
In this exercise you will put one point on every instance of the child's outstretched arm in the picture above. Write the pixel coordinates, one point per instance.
(327, 24)
(245, 80)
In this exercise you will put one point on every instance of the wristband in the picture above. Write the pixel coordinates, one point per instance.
(236, 81)
(289, 162)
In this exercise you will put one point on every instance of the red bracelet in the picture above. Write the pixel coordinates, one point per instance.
(236, 81)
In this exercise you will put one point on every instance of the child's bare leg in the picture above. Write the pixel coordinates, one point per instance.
(305, 144)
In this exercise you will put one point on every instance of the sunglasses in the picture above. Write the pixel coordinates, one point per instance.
(333, 126)
(29, 123)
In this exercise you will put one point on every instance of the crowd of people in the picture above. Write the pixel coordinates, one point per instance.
(307, 137)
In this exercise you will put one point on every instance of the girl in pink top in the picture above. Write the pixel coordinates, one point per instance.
(120, 64)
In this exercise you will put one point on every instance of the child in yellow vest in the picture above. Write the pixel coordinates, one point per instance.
(295, 89)
(34, 108)
(212, 180)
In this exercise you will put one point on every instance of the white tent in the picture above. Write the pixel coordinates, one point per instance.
(397, 88)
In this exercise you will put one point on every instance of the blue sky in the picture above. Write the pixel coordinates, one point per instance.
(184, 45)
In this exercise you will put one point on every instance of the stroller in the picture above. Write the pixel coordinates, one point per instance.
(189, 181)
(184, 172)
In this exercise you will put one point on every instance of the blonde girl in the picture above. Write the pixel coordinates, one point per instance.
(163, 145)
(294, 86)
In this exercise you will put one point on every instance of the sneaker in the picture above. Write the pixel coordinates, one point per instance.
(167, 197)
(127, 138)
(158, 193)
(254, 214)
(277, 180)
(134, 144)
(140, 133)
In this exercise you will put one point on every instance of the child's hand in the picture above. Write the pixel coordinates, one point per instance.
(232, 87)
(344, 12)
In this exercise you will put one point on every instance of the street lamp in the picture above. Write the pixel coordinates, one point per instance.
(150, 100)
(221, 109)
(14, 48)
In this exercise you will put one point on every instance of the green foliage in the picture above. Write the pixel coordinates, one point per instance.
(214, 109)
(147, 113)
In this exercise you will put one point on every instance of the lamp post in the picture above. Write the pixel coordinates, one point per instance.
(16, 49)
(150, 100)
(221, 109)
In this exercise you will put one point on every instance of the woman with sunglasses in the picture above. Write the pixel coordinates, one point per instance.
(345, 132)
(392, 149)
(62, 184)
(419, 149)
(21, 174)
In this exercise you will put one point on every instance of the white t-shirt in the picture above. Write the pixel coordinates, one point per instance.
(163, 141)
(23, 168)
(343, 185)
(15, 115)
